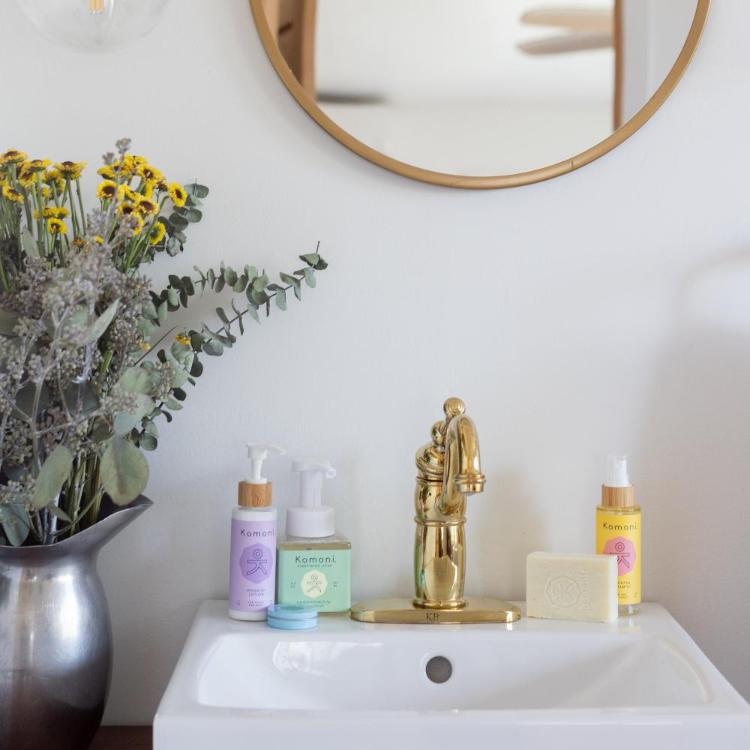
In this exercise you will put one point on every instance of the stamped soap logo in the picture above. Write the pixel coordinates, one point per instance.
(562, 591)
(625, 551)
(256, 562)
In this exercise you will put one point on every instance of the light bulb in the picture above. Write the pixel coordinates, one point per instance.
(93, 25)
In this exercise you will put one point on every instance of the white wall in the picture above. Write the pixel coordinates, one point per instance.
(607, 309)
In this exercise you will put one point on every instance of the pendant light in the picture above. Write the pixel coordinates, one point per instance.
(93, 25)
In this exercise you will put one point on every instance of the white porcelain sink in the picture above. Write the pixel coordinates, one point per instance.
(535, 684)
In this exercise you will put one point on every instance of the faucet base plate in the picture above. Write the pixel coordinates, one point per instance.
(403, 612)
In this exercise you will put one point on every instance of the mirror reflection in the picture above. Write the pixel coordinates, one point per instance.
(480, 87)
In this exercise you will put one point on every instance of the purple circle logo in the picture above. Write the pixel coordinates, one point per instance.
(256, 562)
(625, 551)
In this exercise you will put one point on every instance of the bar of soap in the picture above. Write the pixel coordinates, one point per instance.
(571, 587)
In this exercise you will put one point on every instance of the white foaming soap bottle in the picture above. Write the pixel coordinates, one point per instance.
(314, 561)
(252, 555)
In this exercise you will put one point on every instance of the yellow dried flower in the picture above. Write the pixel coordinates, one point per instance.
(125, 192)
(55, 212)
(26, 176)
(178, 194)
(148, 188)
(98, 239)
(125, 166)
(106, 190)
(12, 156)
(46, 192)
(136, 223)
(182, 339)
(125, 209)
(156, 235)
(56, 226)
(144, 345)
(38, 164)
(53, 177)
(79, 242)
(12, 194)
(147, 207)
(107, 172)
(150, 173)
(71, 170)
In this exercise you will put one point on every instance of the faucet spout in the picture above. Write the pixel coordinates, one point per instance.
(462, 469)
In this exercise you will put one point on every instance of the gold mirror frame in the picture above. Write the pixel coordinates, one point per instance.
(476, 182)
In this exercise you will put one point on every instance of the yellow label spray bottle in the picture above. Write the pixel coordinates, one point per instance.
(618, 532)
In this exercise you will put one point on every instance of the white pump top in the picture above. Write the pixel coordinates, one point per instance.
(258, 453)
(617, 471)
(310, 518)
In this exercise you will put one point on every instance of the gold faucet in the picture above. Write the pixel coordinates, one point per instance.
(448, 471)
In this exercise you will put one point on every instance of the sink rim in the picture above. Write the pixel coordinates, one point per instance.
(181, 700)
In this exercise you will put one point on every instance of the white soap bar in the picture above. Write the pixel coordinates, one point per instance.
(571, 587)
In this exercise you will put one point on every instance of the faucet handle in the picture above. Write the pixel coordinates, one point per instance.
(453, 407)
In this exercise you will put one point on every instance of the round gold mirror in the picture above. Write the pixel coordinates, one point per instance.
(485, 93)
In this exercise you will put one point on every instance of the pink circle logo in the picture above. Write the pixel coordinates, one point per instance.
(625, 551)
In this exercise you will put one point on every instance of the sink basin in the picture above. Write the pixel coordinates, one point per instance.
(534, 683)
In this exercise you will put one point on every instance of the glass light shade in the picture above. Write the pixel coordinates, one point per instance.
(93, 25)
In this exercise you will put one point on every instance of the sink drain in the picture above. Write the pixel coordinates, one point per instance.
(438, 669)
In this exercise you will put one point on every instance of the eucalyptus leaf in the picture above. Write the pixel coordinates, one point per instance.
(124, 471)
(298, 291)
(81, 397)
(55, 470)
(148, 442)
(174, 246)
(96, 331)
(16, 523)
(60, 513)
(149, 427)
(27, 397)
(101, 431)
(136, 380)
(28, 243)
(8, 321)
(310, 277)
(178, 222)
(281, 299)
(197, 368)
(196, 190)
(213, 347)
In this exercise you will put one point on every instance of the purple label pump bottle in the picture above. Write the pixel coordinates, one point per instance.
(252, 554)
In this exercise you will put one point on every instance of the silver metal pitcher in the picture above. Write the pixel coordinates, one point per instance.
(56, 639)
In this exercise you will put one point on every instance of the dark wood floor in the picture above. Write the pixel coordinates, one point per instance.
(123, 738)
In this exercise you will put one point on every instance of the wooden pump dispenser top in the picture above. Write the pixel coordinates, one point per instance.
(257, 491)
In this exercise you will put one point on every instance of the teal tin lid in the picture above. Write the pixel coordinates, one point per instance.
(274, 622)
(292, 613)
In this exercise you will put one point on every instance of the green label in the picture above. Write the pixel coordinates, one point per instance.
(315, 577)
